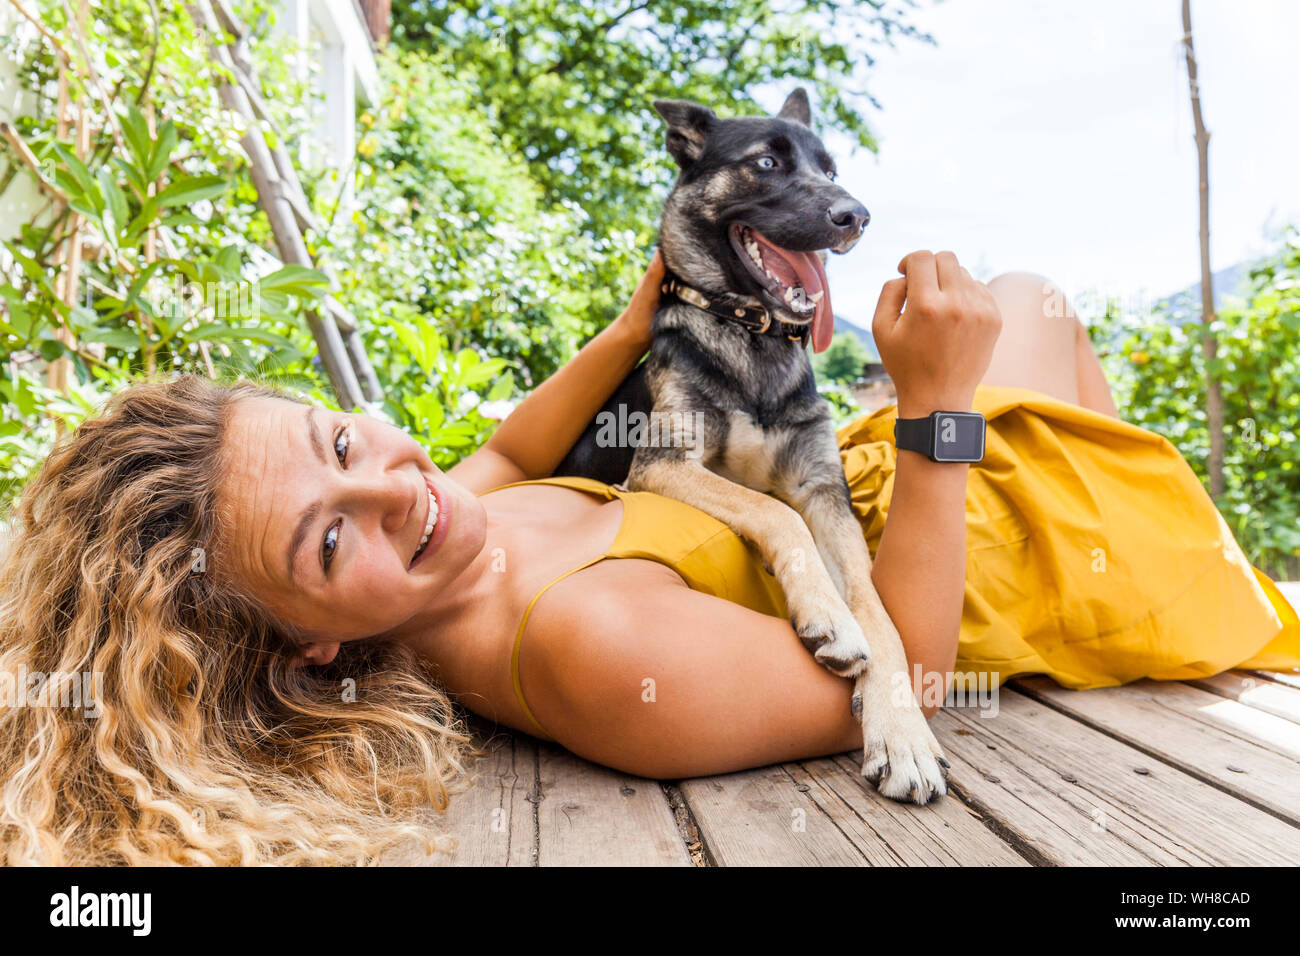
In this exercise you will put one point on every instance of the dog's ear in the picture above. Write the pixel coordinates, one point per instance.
(796, 107)
(688, 128)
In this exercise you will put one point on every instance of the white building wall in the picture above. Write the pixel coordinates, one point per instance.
(23, 197)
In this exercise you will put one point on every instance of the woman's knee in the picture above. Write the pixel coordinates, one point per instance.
(1031, 296)
(1039, 331)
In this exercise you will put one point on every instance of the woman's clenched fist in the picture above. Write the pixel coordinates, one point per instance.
(935, 328)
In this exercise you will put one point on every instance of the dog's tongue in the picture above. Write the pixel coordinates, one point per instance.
(810, 275)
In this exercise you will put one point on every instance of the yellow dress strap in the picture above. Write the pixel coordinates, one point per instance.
(580, 484)
(519, 639)
(565, 481)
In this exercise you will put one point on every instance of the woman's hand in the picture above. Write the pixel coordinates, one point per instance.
(637, 319)
(935, 329)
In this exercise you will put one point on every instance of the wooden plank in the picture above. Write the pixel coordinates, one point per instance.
(589, 815)
(1248, 688)
(1246, 752)
(945, 833)
(493, 822)
(822, 812)
(1067, 794)
(761, 818)
(1289, 678)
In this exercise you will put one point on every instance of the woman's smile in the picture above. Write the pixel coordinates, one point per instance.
(436, 522)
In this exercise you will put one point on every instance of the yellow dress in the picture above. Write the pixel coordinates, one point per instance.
(1094, 555)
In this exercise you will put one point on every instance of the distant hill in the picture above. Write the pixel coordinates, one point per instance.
(862, 335)
(1232, 281)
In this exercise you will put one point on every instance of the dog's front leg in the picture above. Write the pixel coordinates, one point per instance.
(900, 754)
(818, 614)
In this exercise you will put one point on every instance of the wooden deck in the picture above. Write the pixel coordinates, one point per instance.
(1204, 772)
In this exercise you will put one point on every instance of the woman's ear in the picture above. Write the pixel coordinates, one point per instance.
(315, 654)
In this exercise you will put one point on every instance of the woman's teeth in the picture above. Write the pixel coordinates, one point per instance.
(429, 525)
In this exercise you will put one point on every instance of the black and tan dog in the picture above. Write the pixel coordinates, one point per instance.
(740, 430)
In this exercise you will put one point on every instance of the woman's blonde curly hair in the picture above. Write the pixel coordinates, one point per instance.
(209, 748)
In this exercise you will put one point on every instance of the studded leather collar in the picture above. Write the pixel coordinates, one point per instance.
(757, 319)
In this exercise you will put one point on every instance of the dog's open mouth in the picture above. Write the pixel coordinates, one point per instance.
(795, 279)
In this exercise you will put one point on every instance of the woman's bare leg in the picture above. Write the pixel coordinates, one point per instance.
(1094, 390)
(1043, 345)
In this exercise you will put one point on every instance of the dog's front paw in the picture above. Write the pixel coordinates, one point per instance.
(899, 752)
(836, 641)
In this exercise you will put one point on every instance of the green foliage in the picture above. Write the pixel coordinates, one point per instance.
(843, 360)
(1158, 374)
(140, 314)
(450, 223)
(450, 417)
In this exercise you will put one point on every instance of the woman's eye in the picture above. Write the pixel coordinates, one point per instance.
(330, 544)
(766, 162)
(341, 445)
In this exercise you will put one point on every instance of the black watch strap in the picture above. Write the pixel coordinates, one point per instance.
(915, 434)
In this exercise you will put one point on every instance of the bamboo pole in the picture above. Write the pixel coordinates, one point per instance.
(67, 257)
(1209, 344)
(274, 190)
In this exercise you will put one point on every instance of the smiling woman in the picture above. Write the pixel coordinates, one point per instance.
(210, 745)
(336, 509)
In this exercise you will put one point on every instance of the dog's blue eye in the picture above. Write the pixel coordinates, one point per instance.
(766, 162)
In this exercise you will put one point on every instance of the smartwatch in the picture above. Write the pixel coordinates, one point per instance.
(943, 436)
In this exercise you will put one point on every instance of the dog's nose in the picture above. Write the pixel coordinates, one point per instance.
(848, 214)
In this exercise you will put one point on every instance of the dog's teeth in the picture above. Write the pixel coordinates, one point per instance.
(816, 297)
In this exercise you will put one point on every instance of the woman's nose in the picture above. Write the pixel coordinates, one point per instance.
(392, 495)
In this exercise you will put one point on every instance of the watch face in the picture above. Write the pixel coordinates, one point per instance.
(958, 436)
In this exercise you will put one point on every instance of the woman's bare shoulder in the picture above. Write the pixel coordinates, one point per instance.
(599, 599)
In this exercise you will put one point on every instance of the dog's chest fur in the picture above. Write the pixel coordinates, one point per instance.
(756, 393)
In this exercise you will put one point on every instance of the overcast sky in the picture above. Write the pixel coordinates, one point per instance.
(1057, 138)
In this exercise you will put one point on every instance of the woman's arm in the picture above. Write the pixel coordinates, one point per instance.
(538, 434)
(626, 666)
(935, 329)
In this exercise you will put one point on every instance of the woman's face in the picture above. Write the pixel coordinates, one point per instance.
(330, 510)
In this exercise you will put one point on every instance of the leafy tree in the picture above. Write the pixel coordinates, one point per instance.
(178, 272)
(843, 359)
(449, 224)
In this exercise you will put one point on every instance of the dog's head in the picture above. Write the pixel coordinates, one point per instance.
(754, 209)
